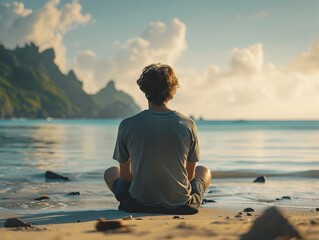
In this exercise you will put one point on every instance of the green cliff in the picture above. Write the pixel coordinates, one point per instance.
(32, 86)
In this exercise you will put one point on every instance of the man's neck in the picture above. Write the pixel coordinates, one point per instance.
(158, 108)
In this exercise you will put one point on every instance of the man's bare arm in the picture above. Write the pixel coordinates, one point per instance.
(125, 171)
(190, 168)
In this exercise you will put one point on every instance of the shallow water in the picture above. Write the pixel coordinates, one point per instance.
(82, 150)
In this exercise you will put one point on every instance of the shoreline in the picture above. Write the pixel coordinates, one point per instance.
(220, 223)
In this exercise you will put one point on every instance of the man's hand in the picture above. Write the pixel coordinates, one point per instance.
(125, 171)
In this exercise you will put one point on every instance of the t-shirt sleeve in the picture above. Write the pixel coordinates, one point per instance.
(193, 154)
(121, 153)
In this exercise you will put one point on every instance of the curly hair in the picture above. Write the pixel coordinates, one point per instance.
(158, 82)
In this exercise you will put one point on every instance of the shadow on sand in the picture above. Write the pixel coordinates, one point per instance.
(74, 216)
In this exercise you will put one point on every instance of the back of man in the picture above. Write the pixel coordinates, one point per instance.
(157, 151)
(159, 145)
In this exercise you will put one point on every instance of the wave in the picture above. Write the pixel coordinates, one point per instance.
(239, 174)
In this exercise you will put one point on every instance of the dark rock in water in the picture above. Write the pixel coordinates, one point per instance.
(211, 191)
(52, 175)
(104, 225)
(271, 225)
(286, 197)
(74, 193)
(277, 199)
(42, 198)
(249, 209)
(16, 222)
(260, 179)
(208, 201)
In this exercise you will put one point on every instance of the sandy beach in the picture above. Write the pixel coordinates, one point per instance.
(216, 223)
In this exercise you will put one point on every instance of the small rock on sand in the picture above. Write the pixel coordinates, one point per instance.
(249, 209)
(16, 222)
(104, 225)
(317, 209)
(271, 225)
(176, 217)
(44, 197)
(184, 225)
(286, 197)
(52, 175)
(208, 201)
(74, 193)
(129, 217)
(260, 179)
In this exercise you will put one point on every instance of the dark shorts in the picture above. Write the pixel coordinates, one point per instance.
(129, 204)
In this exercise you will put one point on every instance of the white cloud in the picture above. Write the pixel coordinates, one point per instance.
(306, 62)
(45, 26)
(252, 89)
(247, 60)
(249, 88)
(160, 42)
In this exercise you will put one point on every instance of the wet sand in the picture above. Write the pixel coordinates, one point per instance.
(209, 223)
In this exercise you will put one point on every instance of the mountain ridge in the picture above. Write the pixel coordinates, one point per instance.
(32, 86)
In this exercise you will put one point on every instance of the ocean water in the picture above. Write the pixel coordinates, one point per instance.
(287, 152)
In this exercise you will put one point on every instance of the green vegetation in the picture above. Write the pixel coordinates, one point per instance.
(32, 86)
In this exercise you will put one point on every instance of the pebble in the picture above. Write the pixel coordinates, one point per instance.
(74, 193)
(249, 214)
(129, 217)
(238, 216)
(272, 225)
(185, 226)
(16, 222)
(313, 222)
(44, 197)
(104, 225)
(317, 209)
(260, 179)
(286, 197)
(176, 217)
(52, 175)
(208, 201)
(138, 218)
(249, 209)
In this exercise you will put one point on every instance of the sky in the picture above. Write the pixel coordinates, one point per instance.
(246, 59)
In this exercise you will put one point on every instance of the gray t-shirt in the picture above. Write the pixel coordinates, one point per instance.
(159, 144)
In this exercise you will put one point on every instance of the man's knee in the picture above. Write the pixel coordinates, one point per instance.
(204, 173)
(110, 175)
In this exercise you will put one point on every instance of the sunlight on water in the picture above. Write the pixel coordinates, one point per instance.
(82, 150)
